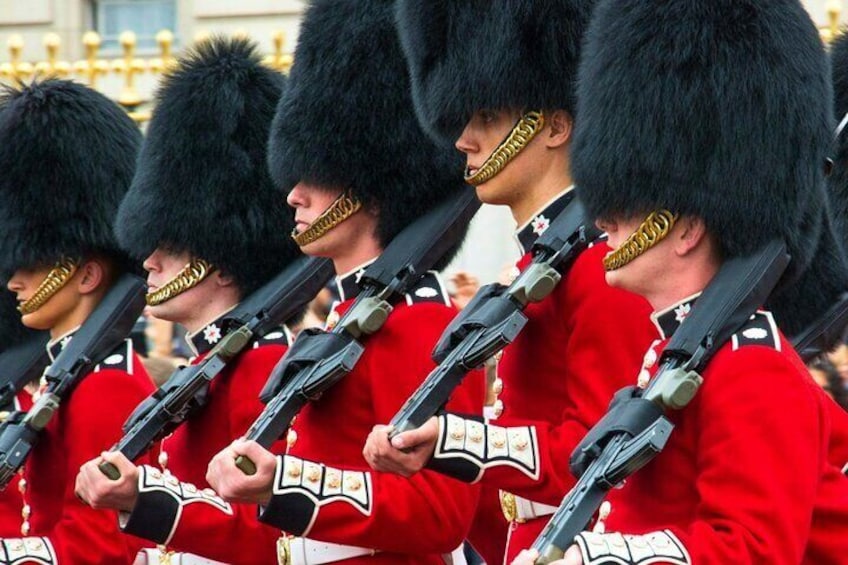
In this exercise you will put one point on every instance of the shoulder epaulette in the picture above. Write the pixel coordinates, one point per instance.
(429, 288)
(120, 359)
(280, 336)
(760, 329)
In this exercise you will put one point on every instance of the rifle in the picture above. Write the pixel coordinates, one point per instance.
(22, 364)
(494, 317)
(107, 326)
(186, 389)
(814, 339)
(319, 359)
(635, 428)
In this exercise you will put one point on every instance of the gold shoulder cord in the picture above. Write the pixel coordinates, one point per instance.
(653, 230)
(342, 208)
(522, 133)
(191, 275)
(58, 277)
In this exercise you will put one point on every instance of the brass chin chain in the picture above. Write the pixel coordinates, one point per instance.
(191, 276)
(58, 277)
(653, 230)
(522, 133)
(345, 206)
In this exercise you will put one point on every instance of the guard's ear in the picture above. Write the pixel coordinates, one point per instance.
(560, 128)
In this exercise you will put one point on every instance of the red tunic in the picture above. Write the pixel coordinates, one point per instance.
(745, 476)
(580, 345)
(206, 525)
(406, 520)
(10, 498)
(87, 423)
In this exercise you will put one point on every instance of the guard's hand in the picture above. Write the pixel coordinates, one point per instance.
(572, 557)
(99, 491)
(232, 484)
(406, 454)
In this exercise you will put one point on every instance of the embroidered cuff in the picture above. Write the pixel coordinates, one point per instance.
(302, 487)
(17, 551)
(467, 447)
(617, 549)
(161, 499)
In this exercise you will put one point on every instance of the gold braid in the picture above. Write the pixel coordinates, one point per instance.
(58, 277)
(522, 133)
(191, 276)
(342, 208)
(653, 230)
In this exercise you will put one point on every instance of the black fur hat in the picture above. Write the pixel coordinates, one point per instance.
(67, 156)
(202, 184)
(826, 279)
(717, 109)
(466, 55)
(838, 180)
(346, 119)
(12, 330)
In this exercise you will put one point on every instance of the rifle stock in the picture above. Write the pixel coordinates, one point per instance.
(607, 457)
(277, 301)
(107, 326)
(494, 317)
(320, 359)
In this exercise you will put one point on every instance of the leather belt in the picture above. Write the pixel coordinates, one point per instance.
(159, 557)
(304, 551)
(519, 510)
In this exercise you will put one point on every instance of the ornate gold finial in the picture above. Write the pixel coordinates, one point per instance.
(278, 60)
(53, 66)
(91, 67)
(202, 35)
(128, 66)
(831, 31)
(16, 69)
(165, 61)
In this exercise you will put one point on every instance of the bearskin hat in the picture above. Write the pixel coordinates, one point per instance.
(680, 108)
(67, 154)
(465, 55)
(838, 180)
(346, 119)
(12, 330)
(202, 184)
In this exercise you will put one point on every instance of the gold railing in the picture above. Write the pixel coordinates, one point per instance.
(831, 31)
(93, 70)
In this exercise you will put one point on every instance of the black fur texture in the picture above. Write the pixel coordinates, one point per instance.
(838, 180)
(717, 109)
(467, 55)
(67, 156)
(346, 119)
(12, 330)
(202, 184)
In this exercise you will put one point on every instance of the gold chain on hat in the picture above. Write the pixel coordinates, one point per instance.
(58, 277)
(191, 276)
(653, 230)
(525, 129)
(342, 208)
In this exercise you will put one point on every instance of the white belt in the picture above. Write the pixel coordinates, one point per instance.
(304, 551)
(157, 557)
(527, 509)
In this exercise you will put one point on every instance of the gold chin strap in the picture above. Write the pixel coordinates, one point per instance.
(58, 277)
(522, 133)
(191, 276)
(653, 230)
(342, 208)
